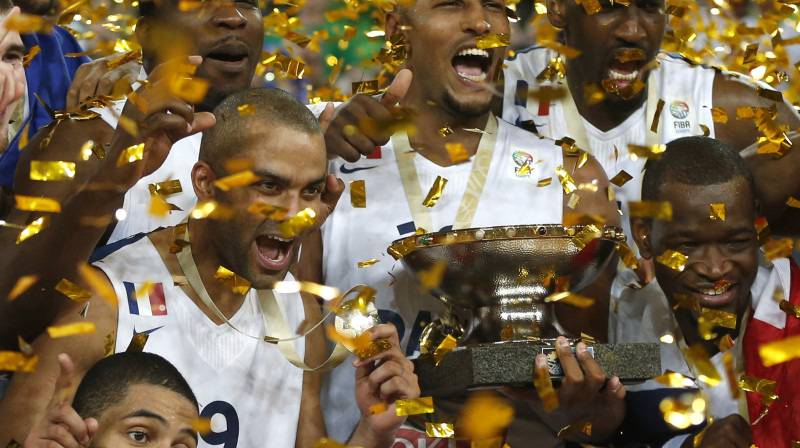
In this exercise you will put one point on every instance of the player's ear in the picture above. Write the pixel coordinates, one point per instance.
(203, 178)
(640, 228)
(557, 12)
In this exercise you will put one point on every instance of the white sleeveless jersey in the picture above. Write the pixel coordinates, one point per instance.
(177, 166)
(686, 90)
(244, 385)
(351, 235)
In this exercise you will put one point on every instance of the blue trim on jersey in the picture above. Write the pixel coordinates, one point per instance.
(108, 249)
(130, 291)
(406, 227)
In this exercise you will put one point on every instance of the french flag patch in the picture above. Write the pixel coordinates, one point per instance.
(143, 302)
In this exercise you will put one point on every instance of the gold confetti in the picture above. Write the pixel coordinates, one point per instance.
(297, 39)
(33, 228)
(725, 343)
(792, 202)
(492, 41)
(246, 110)
(789, 308)
(268, 211)
(761, 386)
(630, 55)
(719, 115)
(698, 356)
(544, 387)
(769, 94)
(780, 351)
(23, 284)
(211, 209)
(201, 425)
(566, 180)
(684, 410)
(435, 192)
(591, 6)
(575, 428)
(298, 223)
(440, 430)
(131, 154)
(109, 344)
(137, 343)
(447, 345)
(544, 182)
(37, 204)
(646, 152)
(586, 236)
(236, 165)
(236, 180)
(574, 199)
(673, 259)
(17, 361)
(379, 408)
(774, 249)
(160, 207)
(675, 380)
(83, 53)
(370, 87)
(719, 318)
(580, 219)
(361, 345)
(71, 329)
(191, 90)
(717, 212)
(29, 23)
(414, 406)
(349, 32)
(329, 443)
(89, 148)
(570, 298)
(358, 194)
(238, 284)
(610, 192)
(750, 54)
(431, 278)
(651, 209)
(484, 416)
(445, 130)
(457, 152)
(364, 264)
(165, 188)
(26, 62)
(52, 171)
(627, 256)
(686, 301)
(122, 59)
(727, 361)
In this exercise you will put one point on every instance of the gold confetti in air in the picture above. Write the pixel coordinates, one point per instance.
(191, 90)
(137, 343)
(684, 411)
(165, 188)
(201, 425)
(457, 152)
(630, 55)
(109, 344)
(697, 356)
(725, 343)
(590, 6)
(52, 171)
(22, 284)
(17, 361)
(792, 202)
(361, 345)
(544, 182)
(237, 180)
(238, 284)
(492, 41)
(719, 318)
(303, 220)
(588, 234)
(447, 345)
(246, 110)
(71, 329)
(431, 278)
(236, 165)
(414, 406)
(574, 199)
(544, 387)
(33, 228)
(762, 230)
(358, 194)
(367, 263)
(445, 130)
(566, 180)
(435, 192)
(651, 209)
(371, 87)
(211, 209)
(717, 212)
(774, 249)
(657, 116)
(575, 428)
(131, 154)
(570, 298)
(379, 408)
(325, 292)
(329, 443)
(89, 148)
(673, 259)
(37, 204)
(627, 256)
(26, 62)
(646, 152)
(268, 211)
(29, 23)
(160, 207)
(727, 361)
(485, 415)
(581, 219)
(675, 380)
(780, 351)
(98, 282)
(440, 430)
(765, 387)
(686, 301)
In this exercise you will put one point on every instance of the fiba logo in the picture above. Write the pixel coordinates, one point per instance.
(679, 109)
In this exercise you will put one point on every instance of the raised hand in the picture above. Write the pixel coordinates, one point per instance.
(732, 431)
(94, 78)
(345, 138)
(60, 425)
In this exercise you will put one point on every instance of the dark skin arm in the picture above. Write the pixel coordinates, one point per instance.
(776, 178)
(311, 426)
(732, 431)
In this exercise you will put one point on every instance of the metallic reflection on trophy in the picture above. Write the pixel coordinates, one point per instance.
(502, 276)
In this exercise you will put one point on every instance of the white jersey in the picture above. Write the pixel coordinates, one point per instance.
(244, 385)
(351, 235)
(177, 166)
(685, 88)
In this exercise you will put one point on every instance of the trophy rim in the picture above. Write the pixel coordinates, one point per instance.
(404, 246)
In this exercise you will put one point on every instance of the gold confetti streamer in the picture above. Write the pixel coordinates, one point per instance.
(71, 329)
(717, 212)
(26, 61)
(37, 204)
(29, 23)
(627, 256)
(673, 259)
(750, 54)
(698, 356)
(435, 192)
(165, 188)
(210, 209)
(329, 443)
(17, 361)
(719, 115)
(657, 116)
(575, 428)
(246, 110)
(544, 182)
(268, 211)
(236, 180)
(686, 301)
(379, 408)
(201, 425)
(137, 343)
(789, 308)
(684, 411)
(236, 165)
(492, 41)
(792, 202)
(98, 283)
(370, 87)
(566, 180)
(361, 345)
(570, 298)
(414, 406)
(238, 284)
(484, 416)
(674, 380)
(646, 152)
(131, 154)
(33, 228)
(544, 387)
(447, 345)
(591, 6)
(22, 284)
(719, 318)
(440, 430)
(109, 344)
(297, 39)
(586, 236)
(122, 59)
(191, 90)
(431, 278)
(762, 230)
(457, 152)
(325, 292)
(630, 55)
(52, 171)
(774, 249)
(574, 199)
(651, 209)
(445, 130)
(364, 264)
(303, 220)
(780, 351)
(358, 194)
(761, 386)
(727, 361)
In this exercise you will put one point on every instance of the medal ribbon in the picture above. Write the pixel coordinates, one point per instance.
(472, 195)
(272, 314)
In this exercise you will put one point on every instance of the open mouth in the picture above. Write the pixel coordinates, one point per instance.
(715, 296)
(274, 250)
(623, 74)
(232, 54)
(472, 64)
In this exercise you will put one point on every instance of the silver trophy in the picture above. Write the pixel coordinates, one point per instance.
(495, 281)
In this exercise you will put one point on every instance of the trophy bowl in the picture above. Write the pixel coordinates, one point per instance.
(503, 276)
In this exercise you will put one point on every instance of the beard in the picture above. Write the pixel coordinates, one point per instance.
(464, 109)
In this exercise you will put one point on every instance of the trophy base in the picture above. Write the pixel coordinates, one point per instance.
(500, 364)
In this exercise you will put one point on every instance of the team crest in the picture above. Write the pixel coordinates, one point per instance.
(523, 162)
(681, 123)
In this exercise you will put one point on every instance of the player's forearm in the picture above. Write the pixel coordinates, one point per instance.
(365, 437)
